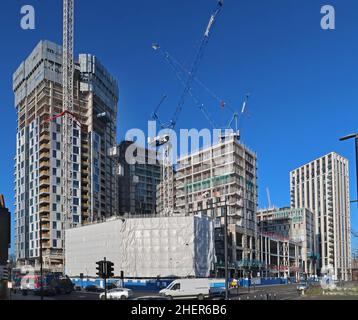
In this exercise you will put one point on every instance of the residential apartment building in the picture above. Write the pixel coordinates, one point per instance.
(322, 186)
(222, 176)
(296, 225)
(138, 175)
(4, 232)
(37, 85)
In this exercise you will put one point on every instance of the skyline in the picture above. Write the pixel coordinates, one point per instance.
(319, 64)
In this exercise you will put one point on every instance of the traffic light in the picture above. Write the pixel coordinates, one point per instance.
(110, 269)
(100, 269)
(4, 273)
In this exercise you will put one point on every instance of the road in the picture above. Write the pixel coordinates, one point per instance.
(277, 292)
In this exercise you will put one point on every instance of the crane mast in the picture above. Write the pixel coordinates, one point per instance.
(67, 117)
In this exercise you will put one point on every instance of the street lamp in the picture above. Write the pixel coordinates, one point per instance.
(353, 136)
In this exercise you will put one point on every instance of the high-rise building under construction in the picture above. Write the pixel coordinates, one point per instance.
(37, 85)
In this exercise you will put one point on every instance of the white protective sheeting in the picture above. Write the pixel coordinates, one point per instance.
(143, 247)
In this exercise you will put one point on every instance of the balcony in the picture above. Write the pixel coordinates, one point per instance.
(46, 235)
(45, 146)
(44, 173)
(44, 165)
(44, 200)
(45, 226)
(44, 181)
(44, 156)
(44, 209)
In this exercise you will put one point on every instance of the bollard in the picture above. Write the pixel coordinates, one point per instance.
(255, 298)
(267, 296)
(275, 296)
(247, 298)
(261, 297)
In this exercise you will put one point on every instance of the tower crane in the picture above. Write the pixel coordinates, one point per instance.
(167, 172)
(192, 73)
(180, 71)
(68, 119)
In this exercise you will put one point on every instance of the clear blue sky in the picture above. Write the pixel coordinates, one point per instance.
(303, 80)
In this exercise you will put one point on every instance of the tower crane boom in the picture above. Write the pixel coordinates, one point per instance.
(193, 71)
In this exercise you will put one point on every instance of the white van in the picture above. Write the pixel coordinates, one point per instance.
(189, 288)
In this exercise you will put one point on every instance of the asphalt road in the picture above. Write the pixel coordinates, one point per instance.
(75, 295)
(281, 292)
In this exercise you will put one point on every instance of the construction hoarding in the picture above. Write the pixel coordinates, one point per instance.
(143, 247)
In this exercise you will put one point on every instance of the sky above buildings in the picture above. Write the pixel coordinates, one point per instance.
(303, 80)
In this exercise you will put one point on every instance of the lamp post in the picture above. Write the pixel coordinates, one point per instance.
(353, 136)
(226, 253)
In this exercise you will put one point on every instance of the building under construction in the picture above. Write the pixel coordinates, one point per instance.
(216, 178)
(138, 175)
(295, 225)
(39, 188)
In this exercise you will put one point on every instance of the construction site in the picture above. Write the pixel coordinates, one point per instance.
(77, 200)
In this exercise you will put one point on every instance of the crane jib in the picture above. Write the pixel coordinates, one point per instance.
(192, 73)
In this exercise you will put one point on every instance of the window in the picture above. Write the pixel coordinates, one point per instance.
(176, 286)
(54, 243)
(76, 150)
(76, 201)
(54, 153)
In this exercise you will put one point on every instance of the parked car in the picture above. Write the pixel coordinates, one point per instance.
(93, 288)
(111, 286)
(62, 285)
(117, 294)
(303, 286)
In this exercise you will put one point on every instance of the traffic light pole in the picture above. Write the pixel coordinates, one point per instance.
(105, 277)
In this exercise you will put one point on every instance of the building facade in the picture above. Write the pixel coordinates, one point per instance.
(37, 85)
(322, 186)
(138, 175)
(217, 178)
(296, 225)
(4, 232)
